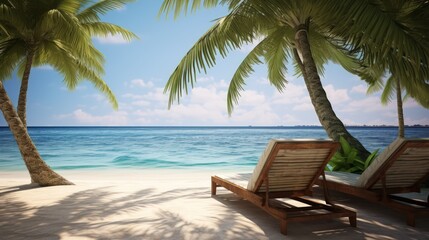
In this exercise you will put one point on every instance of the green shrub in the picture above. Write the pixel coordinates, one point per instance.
(347, 159)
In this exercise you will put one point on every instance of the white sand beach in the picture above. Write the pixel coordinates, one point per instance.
(168, 204)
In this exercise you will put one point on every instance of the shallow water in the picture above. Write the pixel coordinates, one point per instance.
(169, 147)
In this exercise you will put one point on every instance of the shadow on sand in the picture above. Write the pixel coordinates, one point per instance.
(102, 213)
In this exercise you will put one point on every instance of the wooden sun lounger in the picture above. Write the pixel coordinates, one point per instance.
(289, 169)
(400, 168)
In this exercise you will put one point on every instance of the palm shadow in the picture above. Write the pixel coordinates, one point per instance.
(374, 221)
(7, 190)
(149, 213)
(84, 213)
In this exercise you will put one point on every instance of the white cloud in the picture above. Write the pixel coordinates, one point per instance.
(289, 119)
(336, 96)
(141, 103)
(367, 105)
(219, 84)
(141, 83)
(112, 39)
(307, 106)
(205, 79)
(157, 96)
(294, 95)
(246, 48)
(359, 89)
(206, 105)
(203, 106)
(98, 97)
(252, 98)
(81, 117)
(422, 121)
(410, 103)
(132, 96)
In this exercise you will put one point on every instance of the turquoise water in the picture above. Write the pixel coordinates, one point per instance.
(169, 147)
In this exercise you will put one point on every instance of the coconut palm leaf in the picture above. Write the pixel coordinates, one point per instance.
(93, 12)
(221, 38)
(367, 38)
(62, 31)
(10, 55)
(102, 29)
(243, 71)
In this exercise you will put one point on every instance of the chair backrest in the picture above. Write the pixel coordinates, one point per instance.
(405, 164)
(291, 165)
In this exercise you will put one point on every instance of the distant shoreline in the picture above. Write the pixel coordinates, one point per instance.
(250, 126)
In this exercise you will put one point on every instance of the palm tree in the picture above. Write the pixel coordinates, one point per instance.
(392, 87)
(284, 36)
(40, 172)
(313, 32)
(58, 33)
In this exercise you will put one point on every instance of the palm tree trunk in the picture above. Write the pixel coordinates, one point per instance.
(401, 124)
(22, 99)
(40, 172)
(327, 117)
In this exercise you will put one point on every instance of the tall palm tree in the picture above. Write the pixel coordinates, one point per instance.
(309, 32)
(40, 172)
(392, 87)
(57, 33)
(285, 37)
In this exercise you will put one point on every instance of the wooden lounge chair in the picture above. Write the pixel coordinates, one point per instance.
(288, 169)
(401, 168)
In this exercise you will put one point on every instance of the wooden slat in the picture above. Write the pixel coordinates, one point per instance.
(237, 190)
(286, 180)
(404, 171)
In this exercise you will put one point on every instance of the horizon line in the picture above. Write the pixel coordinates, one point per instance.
(217, 126)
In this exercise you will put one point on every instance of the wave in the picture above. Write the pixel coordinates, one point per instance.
(73, 167)
(124, 161)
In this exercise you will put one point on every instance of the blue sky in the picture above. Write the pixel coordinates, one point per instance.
(137, 72)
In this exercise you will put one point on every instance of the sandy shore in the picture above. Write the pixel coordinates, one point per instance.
(167, 204)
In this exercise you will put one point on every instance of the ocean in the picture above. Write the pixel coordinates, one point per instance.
(236, 148)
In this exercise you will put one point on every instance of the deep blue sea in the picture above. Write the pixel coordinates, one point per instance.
(238, 148)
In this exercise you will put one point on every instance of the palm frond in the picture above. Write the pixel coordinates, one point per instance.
(389, 90)
(99, 84)
(91, 13)
(65, 25)
(104, 29)
(242, 72)
(392, 34)
(61, 32)
(227, 33)
(183, 5)
(276, 54)
(11, 53)
(71, 6)
(375, 86)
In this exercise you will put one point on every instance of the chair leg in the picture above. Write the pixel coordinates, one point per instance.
(411, 220)
(353, 221)
(214, 186)
(283, 227)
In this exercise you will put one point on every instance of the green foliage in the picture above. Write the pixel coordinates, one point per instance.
(395, 40)
(60, 33)
(247, 23)
(347, 159)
